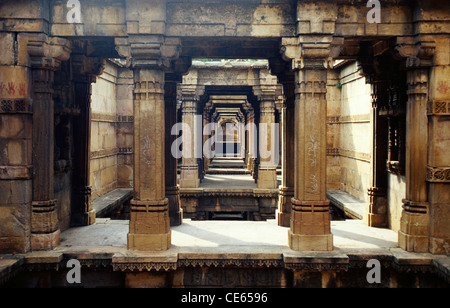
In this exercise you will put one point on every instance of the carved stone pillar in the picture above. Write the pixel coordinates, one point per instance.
(377, 207)
(414, 225)
(149, 57)
(310, 216)
(268, 141)
(46, 54)
(252, 140)
(149, 217)
(189, 166)
(84, 71)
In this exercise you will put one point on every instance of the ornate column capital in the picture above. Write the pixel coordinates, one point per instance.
(47, 52)
(417, 52)
(86, 69)
(311, 51)
(149, 51)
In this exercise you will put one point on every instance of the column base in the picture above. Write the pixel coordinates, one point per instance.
(175, 210)
(189, 177)
(149, 242)
(413, 235)
(283, 219)
(413, 243)
(283, 213)
(45, 241)
(377, 208)
(267, 178)
(302, 242)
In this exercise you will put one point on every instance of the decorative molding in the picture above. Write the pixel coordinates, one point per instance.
(230, 262)
(110, 152)
(438, 174)
(144, 266)
(333, 152)
(415, 206)
(359, 118)
(15, 106)
(101, 117)
(438, 108)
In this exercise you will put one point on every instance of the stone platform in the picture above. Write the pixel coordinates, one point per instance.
(231, 254)
(234, 253)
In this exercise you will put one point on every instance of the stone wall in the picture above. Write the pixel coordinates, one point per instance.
(111, 130)
(355, 132)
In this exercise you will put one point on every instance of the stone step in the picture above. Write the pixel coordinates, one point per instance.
(228, 171)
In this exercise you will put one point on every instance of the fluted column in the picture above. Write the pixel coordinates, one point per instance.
(46, 54)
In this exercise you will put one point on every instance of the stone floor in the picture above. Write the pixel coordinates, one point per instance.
(230, 235)
(197, 245)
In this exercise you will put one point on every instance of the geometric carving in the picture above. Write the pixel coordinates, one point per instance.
(438, 108)
(438, 174)
(14, 106)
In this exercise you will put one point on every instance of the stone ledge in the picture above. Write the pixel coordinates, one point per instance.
(352, 207)
(9, 266)
(107, 203)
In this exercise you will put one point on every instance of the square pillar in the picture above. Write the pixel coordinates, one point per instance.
(189, 177)
(149, 217)
(268, 144)
(310, 217)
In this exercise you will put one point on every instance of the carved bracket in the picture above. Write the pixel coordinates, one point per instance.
(416, 52)
(48, 52)
(149, 51)
(311, 52)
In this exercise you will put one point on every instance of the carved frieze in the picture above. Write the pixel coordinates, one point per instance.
(438, 174)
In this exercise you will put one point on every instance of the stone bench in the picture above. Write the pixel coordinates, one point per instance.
(109, 202)
(352, 207)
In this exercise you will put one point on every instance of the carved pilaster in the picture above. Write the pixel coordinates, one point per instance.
(414, 228)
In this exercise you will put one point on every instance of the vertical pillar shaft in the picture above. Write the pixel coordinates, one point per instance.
(268, 151)
(82, 211)
(310, 217)
(172, 189)
(414, 225)
(149, 217)
(377, 207)
(189, 168)
(45, 232)
(287, 183)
